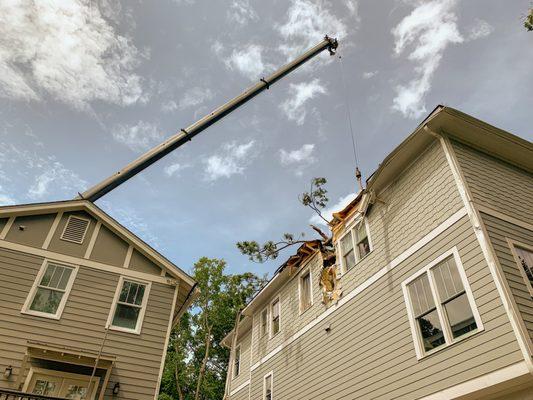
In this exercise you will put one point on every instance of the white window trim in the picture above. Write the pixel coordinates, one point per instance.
(350, 231)
(84, 233)
(270, 313)
(513, 244)
(449, 340)
(300, 277)
(234, 374)
(138, 328)
(33, 290)
(261, 334)
(271, 374)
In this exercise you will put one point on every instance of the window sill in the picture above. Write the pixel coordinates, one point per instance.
(125, 330)
(55, 317)
(466, 336)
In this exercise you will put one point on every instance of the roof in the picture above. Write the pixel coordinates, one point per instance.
(74, 205)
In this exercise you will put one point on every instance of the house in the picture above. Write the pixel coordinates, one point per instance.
(87, 307)
(434, 275)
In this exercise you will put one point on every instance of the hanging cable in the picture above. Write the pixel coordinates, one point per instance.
(349, 116)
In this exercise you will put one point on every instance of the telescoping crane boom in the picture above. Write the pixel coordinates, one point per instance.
(186, 134)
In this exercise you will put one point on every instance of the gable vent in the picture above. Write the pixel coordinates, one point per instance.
(75, 229)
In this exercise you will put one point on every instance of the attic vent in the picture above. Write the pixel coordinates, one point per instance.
(75, 229)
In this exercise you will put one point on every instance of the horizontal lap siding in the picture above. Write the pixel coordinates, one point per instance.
(499, 231)
(82, 323)
(369, 352)
(497, 184)
(244, 374)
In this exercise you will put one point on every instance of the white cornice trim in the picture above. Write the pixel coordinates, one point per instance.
(86, 263)
(373, 279)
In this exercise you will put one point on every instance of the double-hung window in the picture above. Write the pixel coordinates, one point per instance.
(524, 259)
(237, 362)
(306, 295)
(50, 291)
(268, 387)
(129, 305)
(440, 305)
(264, 322)
(354, 245)
(275, 317)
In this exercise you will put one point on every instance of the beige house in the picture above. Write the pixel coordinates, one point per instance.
(434, 268)
(87, 307)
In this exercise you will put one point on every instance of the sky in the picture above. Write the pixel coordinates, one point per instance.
(88, 86)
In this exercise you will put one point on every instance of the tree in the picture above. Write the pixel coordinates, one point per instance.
(528, 20)
(316, 199)
(196, 363)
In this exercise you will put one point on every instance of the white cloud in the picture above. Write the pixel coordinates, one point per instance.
(369, 74)
(480, 30)
(241, 12)
(353, 7)
(298, 159)
(427, 31)
(328, 212)
(67, 50)
(294, 106)
(137, 137)
(191, 98)
(44, 176)
(248, 61)
(307, 23)
(174, 169)
(230, 160)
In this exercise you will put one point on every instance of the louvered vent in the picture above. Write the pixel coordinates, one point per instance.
(75, 229)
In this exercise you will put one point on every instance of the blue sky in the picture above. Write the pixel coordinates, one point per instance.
(87, 86)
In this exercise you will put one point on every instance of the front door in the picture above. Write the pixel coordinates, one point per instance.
(61, 384)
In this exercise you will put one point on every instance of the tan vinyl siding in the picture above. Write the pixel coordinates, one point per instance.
(35, 229)
(140, 263)
(369, 352)
(109, 248)
(72, 249)
(82, 323)
(242, 394)
(499, 231)
(245, 343)
(496, 184)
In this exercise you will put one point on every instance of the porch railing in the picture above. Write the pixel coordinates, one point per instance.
(6, 394)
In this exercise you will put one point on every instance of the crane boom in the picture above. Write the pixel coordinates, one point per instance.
(184, 135)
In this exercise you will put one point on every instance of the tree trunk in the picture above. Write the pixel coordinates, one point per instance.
(201, 373)
(178, 386)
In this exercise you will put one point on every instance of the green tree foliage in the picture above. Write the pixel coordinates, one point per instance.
(528, 21)
(196, 363)
(316, 199)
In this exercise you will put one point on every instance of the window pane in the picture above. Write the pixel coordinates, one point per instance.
(48, 275)
(460, 316)
(46, 300)
(125, 291)
(140, 294)
(526, 262)
(64, 279)
(346, 244)
(363, 247)
(132, 294)
(44, 388)
(56, 277)
(361, 231)
(126, 316)
(264, 321)
(431, 330)
(237, 367)
(349, 259)
(268, 387)
(275, 309)
(76, 392)
(447, 279)
(421, 296)
(305, 292)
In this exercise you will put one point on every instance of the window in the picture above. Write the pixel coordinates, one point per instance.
(264, 322)
(237, 362)
(268, 387)
(275, 317)
(354, 245)
(524, 259)
(50, 291)
(306, 294)
(440, 305)
(129, 306)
